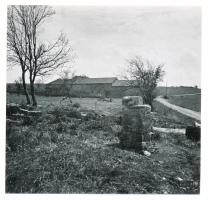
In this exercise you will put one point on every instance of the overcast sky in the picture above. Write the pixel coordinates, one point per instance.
(104, 37)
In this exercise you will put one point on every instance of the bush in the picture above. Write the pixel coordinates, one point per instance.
(60, 112)
(28, 120)
(73, 126)
(61, 127)
(76, 105)
(90, 116)
(93, 124)
(74, 113)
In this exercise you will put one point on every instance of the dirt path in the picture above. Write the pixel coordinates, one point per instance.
(185, 111)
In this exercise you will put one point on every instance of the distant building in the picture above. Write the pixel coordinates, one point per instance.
(81, 86)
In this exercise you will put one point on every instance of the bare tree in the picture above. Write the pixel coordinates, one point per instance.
(145, 76)
(41, 58)
(17, 47)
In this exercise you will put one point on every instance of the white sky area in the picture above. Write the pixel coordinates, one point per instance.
(104, 37)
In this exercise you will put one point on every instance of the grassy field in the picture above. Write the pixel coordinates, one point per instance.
(108, 108)
(192, 102)
(61, 153)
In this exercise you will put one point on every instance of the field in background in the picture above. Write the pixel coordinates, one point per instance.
(107, 108)
(161, 91)
(192, 102)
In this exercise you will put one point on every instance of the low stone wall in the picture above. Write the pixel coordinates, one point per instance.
(173, 114)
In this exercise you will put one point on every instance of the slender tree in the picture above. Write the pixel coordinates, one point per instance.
(41, 58)
(17, 47)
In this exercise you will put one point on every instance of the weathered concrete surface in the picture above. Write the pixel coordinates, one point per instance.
(129, 101)
(169, 130)
(136, 123)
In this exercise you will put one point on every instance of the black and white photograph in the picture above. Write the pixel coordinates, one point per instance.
(103, 99)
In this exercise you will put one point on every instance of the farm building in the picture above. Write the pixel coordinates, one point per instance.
(81, 86)
(122, 88)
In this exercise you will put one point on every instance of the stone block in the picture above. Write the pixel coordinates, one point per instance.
(136, 122)
(129, 101)
(193, 133)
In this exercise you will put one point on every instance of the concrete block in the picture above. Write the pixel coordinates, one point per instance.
(136, 122)
(129, 101)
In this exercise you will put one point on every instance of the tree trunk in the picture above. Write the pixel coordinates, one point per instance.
(148, 98)
(25, 88)
(32, 89)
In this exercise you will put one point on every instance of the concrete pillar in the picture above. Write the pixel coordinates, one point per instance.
(136, 122)
(129, 101)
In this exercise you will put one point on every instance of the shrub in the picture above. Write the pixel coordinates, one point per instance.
(28, 120)
(74, 113)
(73, 126)
(90, 116)
(60, 112)
(61, 127)
(73, 132)
(76, 105)
(92, 124)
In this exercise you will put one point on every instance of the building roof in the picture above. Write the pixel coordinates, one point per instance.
(83, 81)
(60, 81)
(96, 80)
(123, 83)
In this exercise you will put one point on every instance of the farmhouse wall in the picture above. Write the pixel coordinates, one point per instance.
(121, 91)
(80, 90)
(92, 90)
